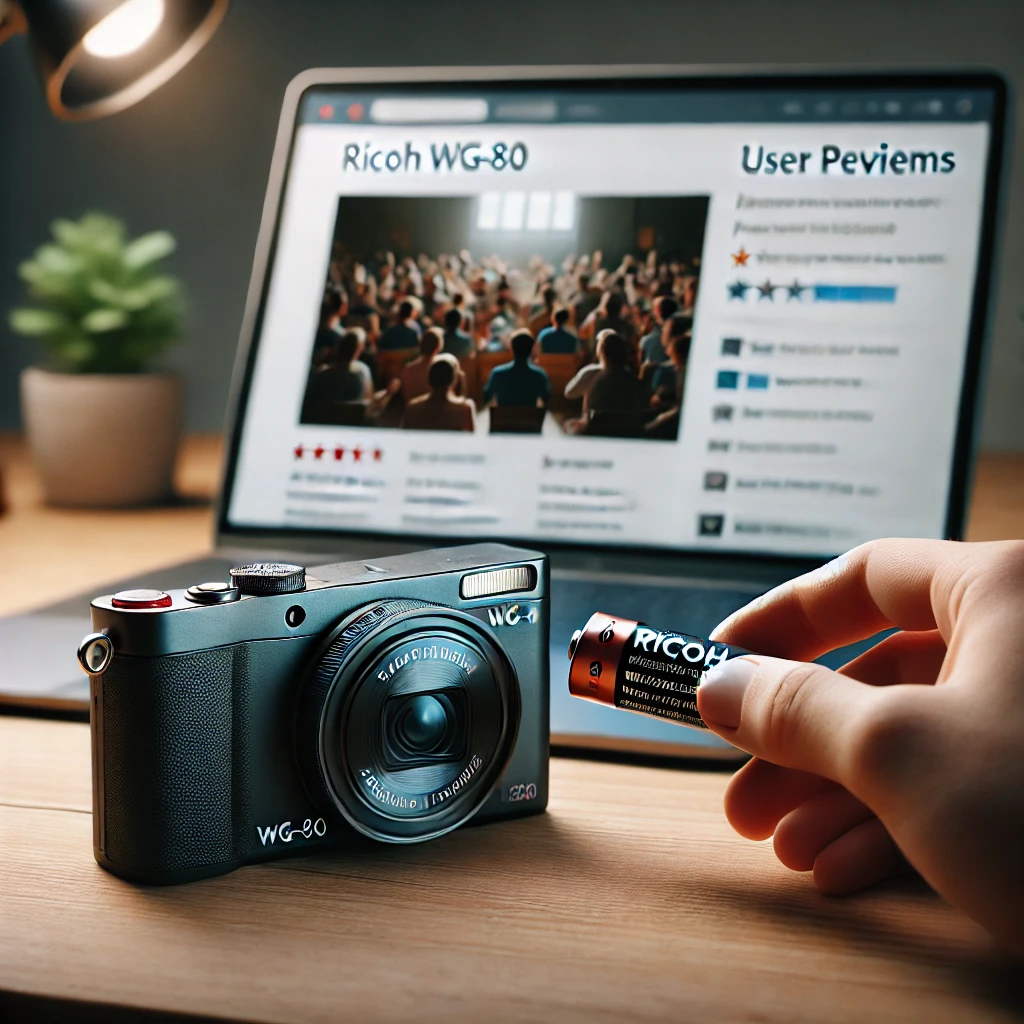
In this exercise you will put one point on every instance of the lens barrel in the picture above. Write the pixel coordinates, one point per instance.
(407, 719)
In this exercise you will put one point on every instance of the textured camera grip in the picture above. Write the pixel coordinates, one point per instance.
(175, 764)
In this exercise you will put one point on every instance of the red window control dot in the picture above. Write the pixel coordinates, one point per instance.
(141, 599)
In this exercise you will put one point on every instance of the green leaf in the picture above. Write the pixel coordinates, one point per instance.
(68, 233)
(101, 320)
(148, 249)
(37, 322)
(55, 260)
(157, 288)
(131, 299)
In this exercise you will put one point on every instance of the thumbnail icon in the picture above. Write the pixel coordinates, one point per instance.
(728, 379)
(757, 381)
(715, 480)
(731, 346)
(710, 526)
(722, 413)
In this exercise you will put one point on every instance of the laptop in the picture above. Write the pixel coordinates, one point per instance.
(754, 304)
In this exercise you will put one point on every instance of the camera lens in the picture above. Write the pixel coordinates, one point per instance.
(408, 719)
(421, 723)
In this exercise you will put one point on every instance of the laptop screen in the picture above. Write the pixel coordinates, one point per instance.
(668, 314)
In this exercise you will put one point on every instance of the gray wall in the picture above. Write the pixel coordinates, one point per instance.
(194, 156)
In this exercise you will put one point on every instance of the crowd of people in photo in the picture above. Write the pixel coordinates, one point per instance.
(424, 343)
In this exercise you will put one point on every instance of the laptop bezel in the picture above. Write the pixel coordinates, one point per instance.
(640, 78)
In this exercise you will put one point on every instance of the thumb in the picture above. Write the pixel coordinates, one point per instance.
(791, 713)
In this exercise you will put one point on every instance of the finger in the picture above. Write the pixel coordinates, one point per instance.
(808, 829)
(863, 856)
(874, 587)
(914, 658)
(760, 794)
(793, 714)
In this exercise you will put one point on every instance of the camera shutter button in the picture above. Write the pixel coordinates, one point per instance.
(213, 593)
(141, 599)
(264, 578)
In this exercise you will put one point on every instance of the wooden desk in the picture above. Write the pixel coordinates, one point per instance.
(631, 899)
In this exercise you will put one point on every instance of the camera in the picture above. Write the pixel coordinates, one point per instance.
(286, 710)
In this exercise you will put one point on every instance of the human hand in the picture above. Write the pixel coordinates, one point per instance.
(914, 748)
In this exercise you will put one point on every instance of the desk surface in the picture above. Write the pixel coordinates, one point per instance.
(631, 899)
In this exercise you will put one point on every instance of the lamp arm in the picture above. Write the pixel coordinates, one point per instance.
(12, 21)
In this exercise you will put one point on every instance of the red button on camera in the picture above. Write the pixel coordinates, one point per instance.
(141, 599)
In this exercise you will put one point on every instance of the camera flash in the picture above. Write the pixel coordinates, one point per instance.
(498, 581)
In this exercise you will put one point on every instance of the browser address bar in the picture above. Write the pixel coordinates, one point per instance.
(414, 111)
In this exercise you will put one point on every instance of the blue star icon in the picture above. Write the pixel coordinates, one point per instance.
(796, 290)
(767, 291)
(738, 290)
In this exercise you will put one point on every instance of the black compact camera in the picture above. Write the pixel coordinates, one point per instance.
(279, 711)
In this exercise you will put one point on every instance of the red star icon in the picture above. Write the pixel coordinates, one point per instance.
(739, 259)
(357, 454)
(339, 454)
(377, 455)
(299, 451)
(318, 452)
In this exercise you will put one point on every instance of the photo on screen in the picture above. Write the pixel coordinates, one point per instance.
(532, 313)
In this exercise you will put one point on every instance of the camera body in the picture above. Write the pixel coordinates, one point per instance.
(288, 710)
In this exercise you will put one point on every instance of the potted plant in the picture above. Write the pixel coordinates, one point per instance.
(102, 423)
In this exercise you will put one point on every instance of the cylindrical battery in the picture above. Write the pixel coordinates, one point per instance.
(633, 666)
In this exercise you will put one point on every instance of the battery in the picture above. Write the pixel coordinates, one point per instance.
(633, 666)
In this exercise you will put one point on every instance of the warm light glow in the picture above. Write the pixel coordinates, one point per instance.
(125, 30)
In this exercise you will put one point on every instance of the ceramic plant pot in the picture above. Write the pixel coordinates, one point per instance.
(102, 440)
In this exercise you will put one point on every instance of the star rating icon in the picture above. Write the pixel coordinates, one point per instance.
(766, 291)
(796, 290)
(739, 259)
(339, 452)
(738, 290)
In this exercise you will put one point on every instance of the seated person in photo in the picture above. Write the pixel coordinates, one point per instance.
(332, 309)
(579, 387)
(616, 317)
(456, 340)
(440, 409)
(405, 333)
(342, 378)
(499, 328)
(617, 388)
(668, 390)
(362, 313)
(518, 383)
(558, 339)
(541, 320)
(669, 376)
(414, 375)
(652, 349)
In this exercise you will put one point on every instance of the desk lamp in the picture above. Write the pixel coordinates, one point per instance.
(97, 57)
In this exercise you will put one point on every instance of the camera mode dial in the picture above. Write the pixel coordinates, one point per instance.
(262, 578)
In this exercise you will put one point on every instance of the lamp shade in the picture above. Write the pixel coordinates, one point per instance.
(97, 57)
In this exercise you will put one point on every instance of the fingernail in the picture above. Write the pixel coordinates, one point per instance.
(720, 696)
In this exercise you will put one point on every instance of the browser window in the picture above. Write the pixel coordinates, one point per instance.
(669, 318)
